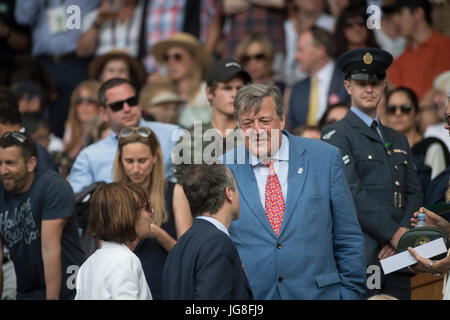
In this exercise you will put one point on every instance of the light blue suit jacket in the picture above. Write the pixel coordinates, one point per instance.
(320, 250)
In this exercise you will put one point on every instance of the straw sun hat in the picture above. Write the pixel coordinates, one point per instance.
(187, 41)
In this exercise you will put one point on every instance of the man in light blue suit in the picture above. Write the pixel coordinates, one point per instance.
(312, 248)
(120, 108)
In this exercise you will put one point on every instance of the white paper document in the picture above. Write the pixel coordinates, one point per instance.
(405, 259)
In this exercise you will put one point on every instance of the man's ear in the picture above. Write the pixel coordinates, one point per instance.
(31, 165)
(102, 112)
(209, 93)
(347, 85)
(229, 194)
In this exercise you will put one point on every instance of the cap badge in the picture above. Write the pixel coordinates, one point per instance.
(367, 58)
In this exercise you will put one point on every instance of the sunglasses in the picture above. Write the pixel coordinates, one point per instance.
(80, 100)
(257, 57)
(118, 105)
(404, 108)
(141, 131)
(176, 56)
(447, 119)
(355, 21)
(16, 136)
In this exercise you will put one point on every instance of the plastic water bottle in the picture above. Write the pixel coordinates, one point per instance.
(421, 217)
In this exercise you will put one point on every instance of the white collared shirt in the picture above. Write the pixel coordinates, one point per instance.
(113, 272)
(323, 83)
(219, 225)
(280, 165)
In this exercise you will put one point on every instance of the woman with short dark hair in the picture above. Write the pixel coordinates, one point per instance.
(120, 215)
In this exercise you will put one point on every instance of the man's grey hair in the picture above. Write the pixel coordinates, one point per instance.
(250, 97)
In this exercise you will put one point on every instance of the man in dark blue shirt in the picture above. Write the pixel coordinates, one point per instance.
(37, 222)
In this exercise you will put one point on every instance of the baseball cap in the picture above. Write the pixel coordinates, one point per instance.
(224, 70)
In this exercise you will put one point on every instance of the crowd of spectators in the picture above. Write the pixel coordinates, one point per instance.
(59, 70)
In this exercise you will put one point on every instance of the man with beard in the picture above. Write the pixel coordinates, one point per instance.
(37, 222)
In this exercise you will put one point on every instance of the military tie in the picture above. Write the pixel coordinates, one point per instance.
(313, 102)
(274, 201)
(374, 127)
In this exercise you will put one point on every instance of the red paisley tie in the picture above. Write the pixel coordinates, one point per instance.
(274, 199)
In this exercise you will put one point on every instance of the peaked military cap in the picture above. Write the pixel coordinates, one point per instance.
(365, 63)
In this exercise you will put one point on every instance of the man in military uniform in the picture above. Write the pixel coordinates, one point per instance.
(380, 170)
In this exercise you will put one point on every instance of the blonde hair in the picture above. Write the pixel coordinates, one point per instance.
(198, 71)
(157, 183)
(263, 40)
(73, 122)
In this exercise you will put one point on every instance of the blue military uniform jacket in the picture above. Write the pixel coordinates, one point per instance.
(381, 176)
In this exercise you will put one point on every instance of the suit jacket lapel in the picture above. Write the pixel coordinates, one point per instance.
(249, 191)
(298, 170)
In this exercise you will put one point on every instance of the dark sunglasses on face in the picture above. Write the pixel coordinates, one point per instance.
(257, 57)
(176, 56)
(141, 131)
(355, 21)
(118, 105)
(80, 100)
(19, 136)
(404, 108)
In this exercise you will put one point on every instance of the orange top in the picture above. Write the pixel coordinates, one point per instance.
(416, 68)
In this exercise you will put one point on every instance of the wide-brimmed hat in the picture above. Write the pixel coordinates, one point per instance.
(187, 41)
(136, 67)
(166, 96)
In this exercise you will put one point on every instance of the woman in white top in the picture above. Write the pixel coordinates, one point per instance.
(120, 215)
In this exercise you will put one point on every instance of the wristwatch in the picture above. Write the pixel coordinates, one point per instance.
(433, 272)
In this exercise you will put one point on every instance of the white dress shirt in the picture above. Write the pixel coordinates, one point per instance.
(281, 167)
(219, 225)
(113, 272)
(323, 84)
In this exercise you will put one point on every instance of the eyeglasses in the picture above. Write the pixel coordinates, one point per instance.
(142, 131)
(355, 21)
(447, 119)
(404, 108)
(118, 105)
(176, 56)
(80, 100)
(257, 57)
(15, 135)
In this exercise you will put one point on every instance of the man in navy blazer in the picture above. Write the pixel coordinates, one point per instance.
(314, 54)
(318, 251)
(204, 264)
